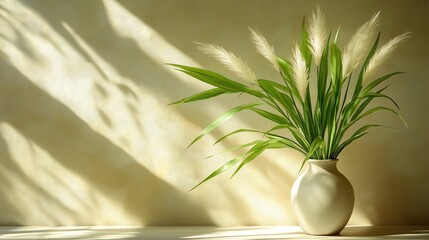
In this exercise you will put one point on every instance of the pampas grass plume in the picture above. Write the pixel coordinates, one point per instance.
(317, 34)
(263, 47)
(300, 73)
(230, 61)
(359, 44)
(382, 54)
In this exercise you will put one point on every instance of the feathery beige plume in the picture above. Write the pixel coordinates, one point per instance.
(317, 34)
(263, 47)
(300, 73)
(382, 54)
(230, 61)
(359, 44)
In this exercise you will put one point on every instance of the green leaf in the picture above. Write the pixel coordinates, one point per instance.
(379, 95)
(236, 148)
(358, 87)
(211, 78)
(355, 107)
(235, 132)
(202, 96)
(226, 116)
(289, 143)
(220, 170)
(322, 73)
(270, 116)
(287, 75)
(286, 69)
(280, 126)
(257, 150)
(379, 80)
(305, 46)
(317, 142)
(276, 85)
(286, 141)
(358, 132)
(336, 34)
(295, 132)
(283, 99)
(336, 66)
(373, 110)
(350, 140)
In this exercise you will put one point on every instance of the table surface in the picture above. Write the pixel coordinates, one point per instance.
(208, 233)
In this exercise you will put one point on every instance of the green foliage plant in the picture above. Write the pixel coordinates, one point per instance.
(345, 87)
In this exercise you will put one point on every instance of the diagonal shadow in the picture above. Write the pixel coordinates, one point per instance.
(123, 58)
(14, 216)
(119, 52)
(114, 173)
(10, 215)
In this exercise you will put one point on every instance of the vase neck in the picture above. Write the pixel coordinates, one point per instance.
(327, 165)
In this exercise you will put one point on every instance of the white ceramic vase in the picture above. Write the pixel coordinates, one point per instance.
(322, 198)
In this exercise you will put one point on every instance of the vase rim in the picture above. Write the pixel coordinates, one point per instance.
(321, 160)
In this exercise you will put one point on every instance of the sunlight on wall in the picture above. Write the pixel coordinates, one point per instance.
(148, 40)
(40, 187)
(85, 129)
(128, 115)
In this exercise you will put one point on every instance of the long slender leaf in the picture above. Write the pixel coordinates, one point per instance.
(202, 95)
(336, 66)
(276, 85)
(286, 141)
(305, 45)
(379, 80)
(236, 148)
(371, 111)
(317, 142)
(226, 116)
(284, 100)
(286, 72)
(359, 131)
(257, 150)
(295, 132)
(211, 78)
(235, 132)
(270, 116)
(350, 140)
(356, 106)
(220, 170)
(371, 53)
(379, 95)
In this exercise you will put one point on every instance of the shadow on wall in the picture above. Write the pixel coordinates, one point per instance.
(55, 128)
(119, 52)
(123, 58)
(10, 213)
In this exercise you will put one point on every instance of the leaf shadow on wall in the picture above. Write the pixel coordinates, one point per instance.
(149, 75)
(10, 214)
(12, 202)
(69, 140)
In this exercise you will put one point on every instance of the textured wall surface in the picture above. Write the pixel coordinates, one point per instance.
(86, 137)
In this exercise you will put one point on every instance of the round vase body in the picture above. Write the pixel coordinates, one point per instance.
(322, 198)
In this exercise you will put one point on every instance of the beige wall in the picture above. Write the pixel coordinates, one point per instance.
(86, 137)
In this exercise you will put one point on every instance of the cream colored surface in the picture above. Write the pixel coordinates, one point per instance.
(207, 233)
(86, 137)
